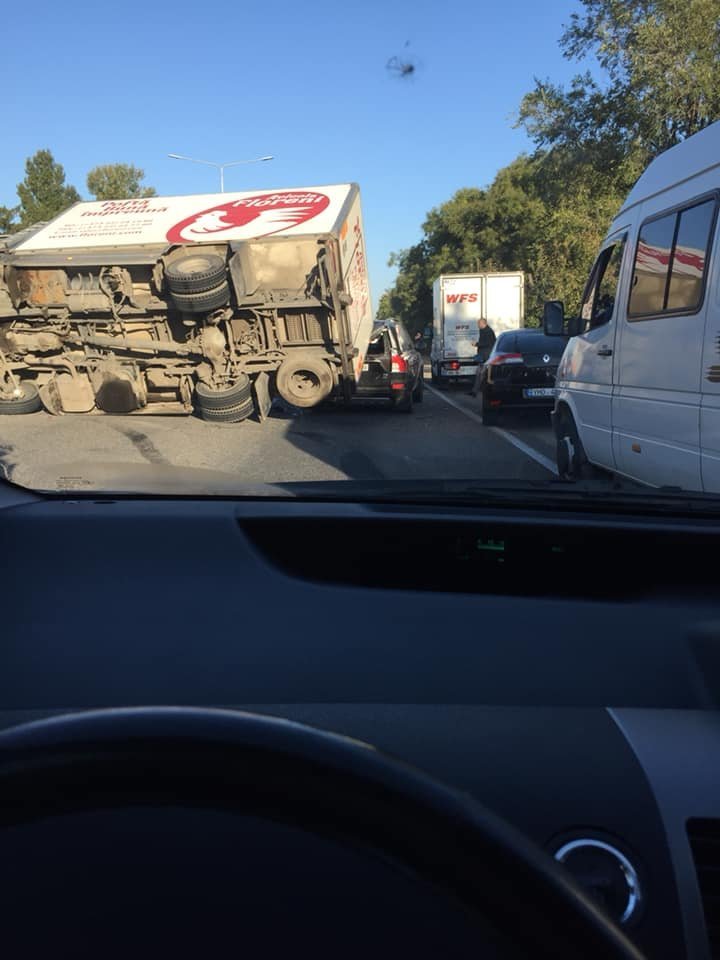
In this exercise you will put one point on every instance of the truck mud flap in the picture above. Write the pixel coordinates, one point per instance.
(261, 391)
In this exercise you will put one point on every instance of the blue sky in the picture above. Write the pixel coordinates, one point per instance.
(103, 83)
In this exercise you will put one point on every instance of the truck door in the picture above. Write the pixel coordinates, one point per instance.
(462, 301)
(587, 365)
(503, 306)
(656, 405)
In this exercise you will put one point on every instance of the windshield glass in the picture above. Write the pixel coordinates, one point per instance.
(412, 265)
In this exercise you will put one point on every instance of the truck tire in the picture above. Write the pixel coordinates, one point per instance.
(197, 273)
(304, 380)
(234, 414)
(202, 302)
(29, 402)
(210, 398)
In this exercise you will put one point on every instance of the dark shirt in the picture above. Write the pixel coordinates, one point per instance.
(485, 342)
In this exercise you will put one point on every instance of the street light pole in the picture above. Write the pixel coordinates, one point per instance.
(218, 166)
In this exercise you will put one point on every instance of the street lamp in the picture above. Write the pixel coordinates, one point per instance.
(219, 166)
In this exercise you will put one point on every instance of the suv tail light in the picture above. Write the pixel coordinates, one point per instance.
(505, 358)
(399, 364)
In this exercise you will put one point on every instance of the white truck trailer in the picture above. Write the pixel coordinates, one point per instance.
(210, 303)
(459, 301)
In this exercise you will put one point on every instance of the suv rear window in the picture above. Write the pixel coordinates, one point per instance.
(403, 338)
(378, 346)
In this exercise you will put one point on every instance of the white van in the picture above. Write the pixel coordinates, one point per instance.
(638, 386)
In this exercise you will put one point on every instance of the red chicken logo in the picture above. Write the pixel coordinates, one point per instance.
(255, 216)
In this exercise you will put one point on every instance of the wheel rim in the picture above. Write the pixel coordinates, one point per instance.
(193, 265)
(304, 384)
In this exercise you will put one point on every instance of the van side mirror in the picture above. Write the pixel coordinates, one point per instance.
(553, 318)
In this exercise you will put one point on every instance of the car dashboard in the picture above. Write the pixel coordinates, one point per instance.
(562, 668)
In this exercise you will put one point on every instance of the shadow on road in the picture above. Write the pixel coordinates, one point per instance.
(344, 437)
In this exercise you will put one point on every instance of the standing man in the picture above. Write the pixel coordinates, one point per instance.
(484, 343)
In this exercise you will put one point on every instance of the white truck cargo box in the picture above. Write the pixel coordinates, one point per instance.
(190, 302)
(459, 301)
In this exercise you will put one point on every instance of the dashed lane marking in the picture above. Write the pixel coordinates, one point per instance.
(525, 448)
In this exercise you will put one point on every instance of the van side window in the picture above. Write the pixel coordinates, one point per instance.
(688, 266)
(670, 261)
(599, 301)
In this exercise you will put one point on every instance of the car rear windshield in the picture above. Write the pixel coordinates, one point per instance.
(529, 341)
(378, 345)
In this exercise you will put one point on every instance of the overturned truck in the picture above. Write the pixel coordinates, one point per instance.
(169, 305)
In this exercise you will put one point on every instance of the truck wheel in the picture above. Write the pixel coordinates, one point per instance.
(202, 302)
(234, 414)
(196, 274)
(226, 405)
(419, 390)
(211, 398)
(570, 456)
(28, 402)
(304, 380)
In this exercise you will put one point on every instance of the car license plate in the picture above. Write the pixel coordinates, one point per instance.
(535, 392)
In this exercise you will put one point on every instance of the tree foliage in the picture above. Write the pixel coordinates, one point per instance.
(43, 193)
(8, 219)
(658, 83)
(117, 181)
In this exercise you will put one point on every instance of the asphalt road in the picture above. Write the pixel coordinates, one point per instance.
(443, 438)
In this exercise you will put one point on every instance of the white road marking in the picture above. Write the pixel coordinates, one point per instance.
(535, 455)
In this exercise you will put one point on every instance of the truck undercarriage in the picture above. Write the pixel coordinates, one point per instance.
(217, 328)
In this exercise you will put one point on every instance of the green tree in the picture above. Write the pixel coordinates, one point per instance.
(117, 181)
(661, 60)
(659, 82)
(491, 229)
(384, 310)
(43, 193)
(410, 298)
(8, 220)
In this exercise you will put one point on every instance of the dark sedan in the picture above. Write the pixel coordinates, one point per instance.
(393, 368)
(520, 372)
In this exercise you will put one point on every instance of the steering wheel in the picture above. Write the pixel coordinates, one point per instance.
(323, 783)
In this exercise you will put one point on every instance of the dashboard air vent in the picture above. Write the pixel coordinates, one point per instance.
(704, 836)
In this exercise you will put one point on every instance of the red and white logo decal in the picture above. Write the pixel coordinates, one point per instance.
(462, 297)
(262, 214)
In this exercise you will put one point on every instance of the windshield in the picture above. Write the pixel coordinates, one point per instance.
(345, 258)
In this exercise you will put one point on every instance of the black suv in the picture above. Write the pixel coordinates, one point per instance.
(393, 368)
(520, 372)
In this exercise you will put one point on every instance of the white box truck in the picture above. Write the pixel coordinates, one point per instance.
(459, 301)
(173, 304)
